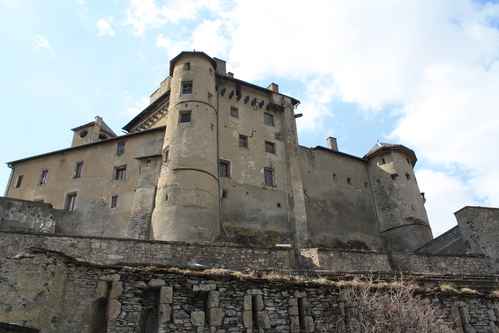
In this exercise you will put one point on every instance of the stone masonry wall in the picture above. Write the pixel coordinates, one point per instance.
(71, 296)
(112, 251)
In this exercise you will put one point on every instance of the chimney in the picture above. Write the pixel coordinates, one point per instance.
(229, 74)
(332, 144)
(274, 87)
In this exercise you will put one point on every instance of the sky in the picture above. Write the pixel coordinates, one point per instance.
(421, 73)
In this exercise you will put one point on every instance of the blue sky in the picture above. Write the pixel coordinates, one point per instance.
(421, 73)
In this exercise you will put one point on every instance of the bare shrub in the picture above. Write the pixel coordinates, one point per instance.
(388, 308)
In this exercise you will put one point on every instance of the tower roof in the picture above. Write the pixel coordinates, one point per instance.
(381, 148)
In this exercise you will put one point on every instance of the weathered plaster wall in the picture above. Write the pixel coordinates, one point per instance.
(253, 212)
(338, 200)
(71, 296)
(97, 184)
(400, 207)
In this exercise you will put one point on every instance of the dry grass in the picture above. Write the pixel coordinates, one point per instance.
(447, 287)
(495, 293)
(469, 291)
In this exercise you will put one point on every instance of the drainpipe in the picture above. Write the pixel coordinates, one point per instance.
(10, 178)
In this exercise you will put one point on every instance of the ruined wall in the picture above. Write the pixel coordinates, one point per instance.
(74, 296)
(479, 227)
(34, 216)
(338, 200)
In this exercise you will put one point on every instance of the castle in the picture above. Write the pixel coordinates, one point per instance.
(211, 172)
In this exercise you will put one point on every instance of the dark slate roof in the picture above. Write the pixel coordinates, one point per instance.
(381, 147)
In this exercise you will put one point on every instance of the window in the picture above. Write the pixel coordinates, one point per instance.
(269, 147)
(394, 176)
(120, 172)
(121, 148)
(114, 201)
(269, 119)
(185, 116)
(71, 202)
(408, 176)
(187, 88)
(243, 141)
(224, 168)
(268, 176)
(234, 112)
(43, 178)
(19, 181)
(187, 66)
(79, 169)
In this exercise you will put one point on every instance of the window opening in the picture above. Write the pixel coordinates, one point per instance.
(187, 88)
(120, 172)
(224, 194)
(114, 201)
(83, 133)
(71, 202)
(102, 136)
(349, 181)
(383, 161)
(408, 176)
(268, 176)
(19, 181)
(224, 168)
(79, 169)
(185, 116)
(234, 112)
(243, 141)
(269, 147)
(43, 178)
(269, 119)
(187, 66)
(394, 176)
(121, 148)
(408, 162)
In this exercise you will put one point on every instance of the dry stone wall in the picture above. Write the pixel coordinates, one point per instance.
(72, 296)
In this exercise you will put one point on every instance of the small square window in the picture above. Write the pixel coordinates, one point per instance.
(224, 168)
(185, 116)
(121, 148)
(268, 176)
(269, 119)
(120, 172)
(114, 201)
(19, 181)
(187, 88)
(394, 176)
(71, 202)
(234, 112)
(43, 178)
(243, 141)
(269, 147)
(78, 169)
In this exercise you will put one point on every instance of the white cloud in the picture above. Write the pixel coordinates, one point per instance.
(145, 14)
(40, 42)
(105, 27)
(80, 2)
(444, 196)
(131, 106)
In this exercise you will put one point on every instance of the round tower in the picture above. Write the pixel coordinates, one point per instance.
(186, 206)
(402, 218)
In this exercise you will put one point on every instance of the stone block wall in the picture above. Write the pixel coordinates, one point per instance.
(71, 296)
(113, 250)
